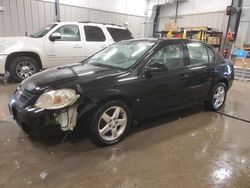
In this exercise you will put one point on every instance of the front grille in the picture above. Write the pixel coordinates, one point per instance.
(23, 96)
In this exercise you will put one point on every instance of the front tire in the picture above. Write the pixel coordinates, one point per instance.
(23, 67)
(217, 97)
(110, 123)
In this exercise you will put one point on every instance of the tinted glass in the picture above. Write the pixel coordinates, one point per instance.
(197, 53)
(121, 55)
(69, 33)
(170, 55)
(119, 34)
(94, 33)
(43, 31)
(211, 55)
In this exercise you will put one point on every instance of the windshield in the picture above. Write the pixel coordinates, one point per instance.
(43, 31)
(121, 55)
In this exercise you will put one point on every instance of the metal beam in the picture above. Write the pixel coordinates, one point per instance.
(57, 7)
(176, 11)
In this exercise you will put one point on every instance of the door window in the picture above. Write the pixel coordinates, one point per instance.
(197, 53)
(171, 56)
(69, 33)
(211, 55)
(94, 34)
(119, 34)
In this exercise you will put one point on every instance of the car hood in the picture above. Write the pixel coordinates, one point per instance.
(63, 74)
(13, 44)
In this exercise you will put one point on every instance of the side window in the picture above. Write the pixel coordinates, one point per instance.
(171, 56)
(211, 55)
(94, 34)
(198, 53)
(119, 34)
(69, 33)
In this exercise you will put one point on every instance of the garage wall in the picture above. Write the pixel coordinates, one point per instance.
(217, 20)
(132, 7)
(244, 26)
(196, 13)
(21, 16)
(73, 13)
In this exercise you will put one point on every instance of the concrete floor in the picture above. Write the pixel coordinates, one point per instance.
(187, 148)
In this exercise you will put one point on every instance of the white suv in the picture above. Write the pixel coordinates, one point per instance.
(56, 44)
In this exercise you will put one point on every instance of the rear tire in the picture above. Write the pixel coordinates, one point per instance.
(22, 67)
(217, 97)
(110, 123)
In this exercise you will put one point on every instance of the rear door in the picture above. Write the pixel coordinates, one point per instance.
(95, 39)
(200, 77)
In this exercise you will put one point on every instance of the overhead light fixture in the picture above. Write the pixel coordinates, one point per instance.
(1, 9)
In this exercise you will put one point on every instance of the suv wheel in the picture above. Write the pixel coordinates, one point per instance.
(217, 97)
(110, 123)
(23, 67)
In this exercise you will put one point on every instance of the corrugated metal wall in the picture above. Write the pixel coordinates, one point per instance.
(21, 16)
(217, 20)
(135, 23)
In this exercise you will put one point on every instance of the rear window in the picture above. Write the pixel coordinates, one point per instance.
(94, 34)
(119, 34)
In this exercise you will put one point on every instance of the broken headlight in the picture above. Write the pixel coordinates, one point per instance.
(57, 99)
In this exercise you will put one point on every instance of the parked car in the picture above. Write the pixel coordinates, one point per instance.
(56, 44)
(123, 83)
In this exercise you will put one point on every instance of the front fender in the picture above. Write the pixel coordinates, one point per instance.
(11, 45)
(93, 102)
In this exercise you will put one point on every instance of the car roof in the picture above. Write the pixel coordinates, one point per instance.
(163, 40)
(93, 23)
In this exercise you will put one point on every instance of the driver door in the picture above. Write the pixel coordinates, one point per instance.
(67, 49)
(165, 80)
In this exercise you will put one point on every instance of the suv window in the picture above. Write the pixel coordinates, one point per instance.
(119, 34)
(69, 33)
(170, 55)
(198, 53)
(94, 34)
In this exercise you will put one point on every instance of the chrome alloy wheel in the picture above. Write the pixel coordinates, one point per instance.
(112, 123)
(25, 69)
(219, 97)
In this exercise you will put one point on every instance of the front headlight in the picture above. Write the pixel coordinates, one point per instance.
(56, 99)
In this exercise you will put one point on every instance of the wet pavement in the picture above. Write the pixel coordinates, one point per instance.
(187, 148)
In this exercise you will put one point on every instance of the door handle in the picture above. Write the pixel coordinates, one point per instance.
(183, 76)
(77, 46)
(198, 68)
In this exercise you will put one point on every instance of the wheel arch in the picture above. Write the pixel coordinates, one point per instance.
(116, 97)
(13, 55)
(97, 103)
(223, 80)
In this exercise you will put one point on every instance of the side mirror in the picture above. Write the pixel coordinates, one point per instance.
(155, 67)
(55, 36)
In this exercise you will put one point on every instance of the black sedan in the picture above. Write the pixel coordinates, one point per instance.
(123, 83)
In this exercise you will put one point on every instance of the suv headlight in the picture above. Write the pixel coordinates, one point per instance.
(56, 99)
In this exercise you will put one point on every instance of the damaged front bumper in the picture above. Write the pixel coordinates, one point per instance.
(33, 119)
